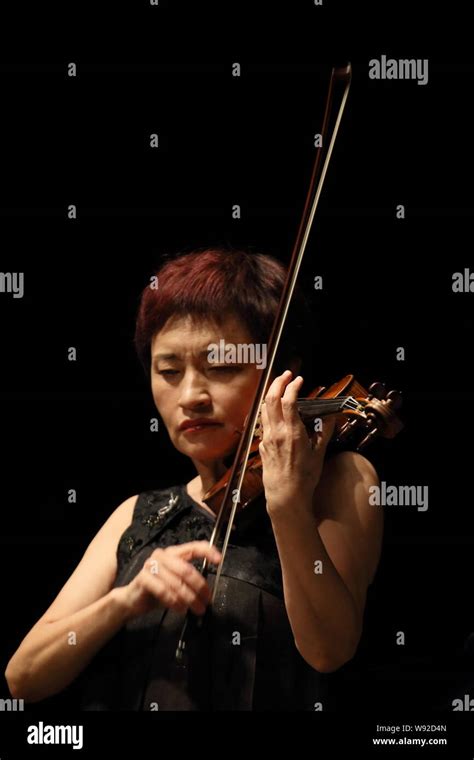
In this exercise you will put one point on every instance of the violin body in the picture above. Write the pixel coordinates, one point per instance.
(372, 412)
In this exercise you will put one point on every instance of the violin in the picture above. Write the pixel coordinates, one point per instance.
(372, 412)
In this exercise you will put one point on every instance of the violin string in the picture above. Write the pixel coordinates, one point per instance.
(308, 406)
(329, 403)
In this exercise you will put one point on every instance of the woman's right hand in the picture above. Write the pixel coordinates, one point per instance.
(168, 579)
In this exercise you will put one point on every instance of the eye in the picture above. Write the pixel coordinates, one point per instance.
(225, 368)
(167, 371)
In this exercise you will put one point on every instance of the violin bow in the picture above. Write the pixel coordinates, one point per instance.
(338, 91)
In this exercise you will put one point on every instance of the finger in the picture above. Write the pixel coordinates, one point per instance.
(273, 398)
(197, 550)
(156, 587)
(176, 593)
(191, 577)
(289, 404)
(265, 420)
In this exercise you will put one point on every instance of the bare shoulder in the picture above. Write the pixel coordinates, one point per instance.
(349, 468)
(109, 534)
(107, 538)
(350, 526)
(95, 574)
(121, 517)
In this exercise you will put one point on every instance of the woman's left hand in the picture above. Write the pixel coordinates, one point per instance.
(292, 463)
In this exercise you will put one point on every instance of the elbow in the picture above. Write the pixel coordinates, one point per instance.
(331, 665)
(25, 683)
(326, 661)
(326, 664)
(18, 679)
(14, 683)
(332, 651)
(21, 688)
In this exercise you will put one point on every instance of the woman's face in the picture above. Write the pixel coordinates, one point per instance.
(187, 386)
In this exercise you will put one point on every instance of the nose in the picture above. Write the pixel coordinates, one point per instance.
(194, 391)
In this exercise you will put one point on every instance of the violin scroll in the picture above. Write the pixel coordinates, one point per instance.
(377, 415)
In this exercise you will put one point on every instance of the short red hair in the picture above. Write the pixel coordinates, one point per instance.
(212, 283)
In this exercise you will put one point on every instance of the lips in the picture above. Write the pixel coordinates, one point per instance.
(199, 422)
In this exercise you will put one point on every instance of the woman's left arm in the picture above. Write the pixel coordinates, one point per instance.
(327, 534)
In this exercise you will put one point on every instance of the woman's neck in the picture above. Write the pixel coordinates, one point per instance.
(208, 475)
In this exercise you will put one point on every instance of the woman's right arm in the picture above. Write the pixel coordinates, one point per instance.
(88, 611)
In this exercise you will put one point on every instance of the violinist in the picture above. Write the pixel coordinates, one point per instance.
(290, 606)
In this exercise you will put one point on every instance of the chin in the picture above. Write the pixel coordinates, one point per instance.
(207, 453)
(200, 448)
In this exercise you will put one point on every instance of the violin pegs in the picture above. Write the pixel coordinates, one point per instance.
(347, 429)
(368, 438)
(395, 397)
(377, 390)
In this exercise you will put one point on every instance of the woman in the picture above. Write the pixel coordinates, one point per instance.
(291, 597)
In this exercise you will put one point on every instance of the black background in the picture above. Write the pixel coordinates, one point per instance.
(247, 140)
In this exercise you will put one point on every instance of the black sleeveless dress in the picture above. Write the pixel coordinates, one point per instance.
(241, 657)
